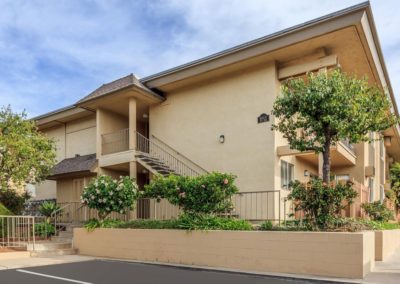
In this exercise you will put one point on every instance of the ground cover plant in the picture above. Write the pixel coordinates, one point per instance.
(183, 222)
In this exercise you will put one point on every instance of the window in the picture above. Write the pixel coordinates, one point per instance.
(371, 189)
(287, 174)
(342, 178)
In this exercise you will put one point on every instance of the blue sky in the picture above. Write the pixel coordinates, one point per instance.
(54, 52)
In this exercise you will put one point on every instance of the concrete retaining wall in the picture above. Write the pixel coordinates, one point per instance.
(386, 242)
(349, 255)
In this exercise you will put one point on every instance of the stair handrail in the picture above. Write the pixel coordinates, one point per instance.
(55, 213)
(147, 146)
(179, 154)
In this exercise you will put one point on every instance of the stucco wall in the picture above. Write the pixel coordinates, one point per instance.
(75, 137)
(349, 255)
(386, 243)
(81, 137)
(191, 121)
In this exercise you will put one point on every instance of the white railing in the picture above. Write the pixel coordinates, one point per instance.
(178, 155)
(154, 150)
(17, 231)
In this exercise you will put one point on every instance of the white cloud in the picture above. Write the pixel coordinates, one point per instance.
(58, 51)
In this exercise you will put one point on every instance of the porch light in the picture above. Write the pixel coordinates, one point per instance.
(222, 138)
(306, 173)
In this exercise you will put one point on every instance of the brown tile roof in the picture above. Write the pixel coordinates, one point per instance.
(124, 82)
(76, 165)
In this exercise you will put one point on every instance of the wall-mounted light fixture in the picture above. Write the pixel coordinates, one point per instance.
(222, 138)
(306, 173)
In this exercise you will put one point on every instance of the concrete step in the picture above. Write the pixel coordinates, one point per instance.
(66, 233)
(49, 246)
(68, 251)
(61, 239)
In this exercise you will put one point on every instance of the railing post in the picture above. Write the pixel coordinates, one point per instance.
(279, 196)
(33, 232)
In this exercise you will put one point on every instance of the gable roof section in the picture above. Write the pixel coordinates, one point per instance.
(119, 84)
(149, 80)
(74, 166)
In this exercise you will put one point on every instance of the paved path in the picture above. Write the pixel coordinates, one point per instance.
(386, 272)
(25, 261)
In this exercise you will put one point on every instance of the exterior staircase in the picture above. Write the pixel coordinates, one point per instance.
(159, 158)
(60, 244)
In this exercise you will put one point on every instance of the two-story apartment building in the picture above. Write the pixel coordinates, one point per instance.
(214, 114)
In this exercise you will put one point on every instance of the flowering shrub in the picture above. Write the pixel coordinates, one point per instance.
(209, 193)
(378, 211)
(321, 202)
(107, 195)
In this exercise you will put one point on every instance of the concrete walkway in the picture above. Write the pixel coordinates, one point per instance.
(386, 272)
(23, 260)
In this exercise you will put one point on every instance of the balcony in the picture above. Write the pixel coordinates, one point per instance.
(341, 155)
(115, 142)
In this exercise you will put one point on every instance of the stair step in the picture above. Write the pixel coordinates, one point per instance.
(68, 251)
(65, 233)
(61, 239)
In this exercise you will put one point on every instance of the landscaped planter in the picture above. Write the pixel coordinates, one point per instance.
(349, 255)
(386, 242)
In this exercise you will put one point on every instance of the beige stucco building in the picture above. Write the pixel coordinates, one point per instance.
(214, 114)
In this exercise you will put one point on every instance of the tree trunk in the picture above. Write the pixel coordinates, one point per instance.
(326, 155)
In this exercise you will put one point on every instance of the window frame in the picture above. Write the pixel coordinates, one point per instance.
(287, 174)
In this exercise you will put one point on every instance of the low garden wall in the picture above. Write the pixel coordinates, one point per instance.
(386, 242)
(348, 255)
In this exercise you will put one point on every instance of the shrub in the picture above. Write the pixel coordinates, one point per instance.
(13, 200)
(184, 222)
(378, 211)
(206, 194)
(266, 226)
(395, 182)
(321, 203)
(107, 195)
(44, 229)
(48, 208)
(212, 222)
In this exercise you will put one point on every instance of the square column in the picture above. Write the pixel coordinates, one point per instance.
(132, 123)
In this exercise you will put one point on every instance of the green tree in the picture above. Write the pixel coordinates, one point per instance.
(317, 112)
(26, 155)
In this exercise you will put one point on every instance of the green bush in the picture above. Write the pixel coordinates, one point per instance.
(48, 208)
(44, 229)
(13, 200)
(206, 194)
(378, 211)
(266, 226)
(395, 182)
(211, 222)
(321, 203)
(184, 222)
(107, 195)
(4, 210)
